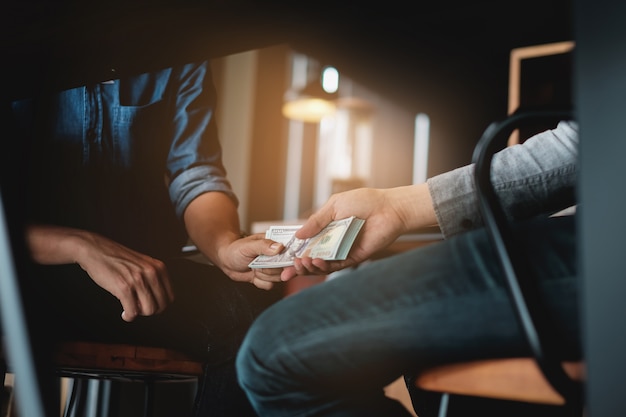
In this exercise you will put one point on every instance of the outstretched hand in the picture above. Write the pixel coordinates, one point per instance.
(238, 254)
(388, 213)
(213, 225)
(382, 226)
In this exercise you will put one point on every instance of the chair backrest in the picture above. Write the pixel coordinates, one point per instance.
(542, 378)
(524, 292)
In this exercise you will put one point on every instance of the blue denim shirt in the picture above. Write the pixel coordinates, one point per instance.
(535, 178)
(125, 157)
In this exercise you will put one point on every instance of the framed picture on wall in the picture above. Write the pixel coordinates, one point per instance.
(540, 77)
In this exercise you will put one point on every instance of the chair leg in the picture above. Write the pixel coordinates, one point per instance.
(443, 405)
(88, 398)
(148, 398)
(4, 395)
(73, 397)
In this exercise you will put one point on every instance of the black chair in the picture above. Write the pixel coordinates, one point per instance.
(543, 378)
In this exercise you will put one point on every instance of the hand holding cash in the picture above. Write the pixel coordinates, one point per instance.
(332, 243)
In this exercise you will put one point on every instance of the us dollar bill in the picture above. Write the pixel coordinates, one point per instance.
(332, 243)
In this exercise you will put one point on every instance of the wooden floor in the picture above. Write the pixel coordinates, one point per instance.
(7, 397)
(398, 391)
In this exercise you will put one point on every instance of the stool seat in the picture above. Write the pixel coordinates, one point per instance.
(517, 379)
(104, 360)
(83, 361)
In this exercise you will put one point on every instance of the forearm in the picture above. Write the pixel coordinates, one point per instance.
(55, 245)
(536, 177)
(212, 223)
(388, 213)
(140, 282)
(413, 205)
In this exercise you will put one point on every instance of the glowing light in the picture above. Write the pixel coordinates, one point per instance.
(308, 109)
(330, 79)
(420, 150)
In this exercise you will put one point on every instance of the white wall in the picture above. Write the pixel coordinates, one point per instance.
(235, 110)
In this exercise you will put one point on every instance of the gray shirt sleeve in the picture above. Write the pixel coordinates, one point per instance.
(533, 178)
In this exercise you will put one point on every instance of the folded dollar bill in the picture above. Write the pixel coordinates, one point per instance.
(332, 243)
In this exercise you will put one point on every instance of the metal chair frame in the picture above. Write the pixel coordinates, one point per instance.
(523, 289)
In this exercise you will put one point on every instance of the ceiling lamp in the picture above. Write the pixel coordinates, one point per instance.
(309, 104)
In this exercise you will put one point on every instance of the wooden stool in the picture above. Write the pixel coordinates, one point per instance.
(89, 360)
(515, 379)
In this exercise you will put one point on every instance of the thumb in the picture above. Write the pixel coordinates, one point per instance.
(263, 247)
(274, 248)
(314, 224)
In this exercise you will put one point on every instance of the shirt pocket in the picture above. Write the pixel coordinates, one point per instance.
(140, 134)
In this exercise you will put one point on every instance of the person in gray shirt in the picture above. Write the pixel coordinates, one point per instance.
(329, 350)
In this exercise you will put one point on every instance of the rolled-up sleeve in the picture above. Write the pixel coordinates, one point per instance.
(195, 181)
(536, 177)
(194, 162)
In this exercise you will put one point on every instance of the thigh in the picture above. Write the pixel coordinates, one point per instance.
(208, 318)
(212, 313)
(442, 303)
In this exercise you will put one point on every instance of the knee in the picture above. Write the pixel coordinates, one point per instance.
(248, 362)
(275, 350)
(255, 355)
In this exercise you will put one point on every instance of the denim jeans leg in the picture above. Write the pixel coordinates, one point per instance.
(329, 350)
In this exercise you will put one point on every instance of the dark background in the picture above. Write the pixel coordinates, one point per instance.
(73, 41)
(446, 58)
(418, 45)
(455, 49)
(449, 59)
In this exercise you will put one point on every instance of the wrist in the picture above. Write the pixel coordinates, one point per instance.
(415, 207)
(56, 245)
(218, 249)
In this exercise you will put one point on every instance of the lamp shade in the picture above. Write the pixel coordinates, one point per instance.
(309, 104)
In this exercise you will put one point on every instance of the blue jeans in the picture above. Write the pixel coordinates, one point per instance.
(329, 350)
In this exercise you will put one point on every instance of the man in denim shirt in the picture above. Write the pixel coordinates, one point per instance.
(120, 175)
(330, 350)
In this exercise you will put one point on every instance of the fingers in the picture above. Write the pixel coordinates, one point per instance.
(265, 278)
(301, 266)
(267, 274)
(128, 316)
(145, 291)
(262, 284)
(159, 285)
(130, 306)
(288, 273)
(165, 281)
(314, 266)
(141, 283)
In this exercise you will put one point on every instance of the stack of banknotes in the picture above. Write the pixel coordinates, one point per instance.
(332, 243)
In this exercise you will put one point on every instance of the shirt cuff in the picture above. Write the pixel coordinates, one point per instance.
(454, 199)
(195, 181)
